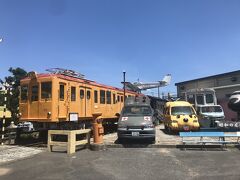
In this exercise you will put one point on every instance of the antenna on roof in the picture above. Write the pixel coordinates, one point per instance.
(66, 72)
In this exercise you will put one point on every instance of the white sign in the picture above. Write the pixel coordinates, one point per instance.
(73, 116)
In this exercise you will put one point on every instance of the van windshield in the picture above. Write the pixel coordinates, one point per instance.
(137, 111)
(182, 110)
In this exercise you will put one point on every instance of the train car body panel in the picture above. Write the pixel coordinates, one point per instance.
(59, 98)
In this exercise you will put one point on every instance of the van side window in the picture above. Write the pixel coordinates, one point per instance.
(73, 93)
(95, 96)
(46, 90)
(61, 92)
(102, 96)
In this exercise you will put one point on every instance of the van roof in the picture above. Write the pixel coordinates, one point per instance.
(178, 103)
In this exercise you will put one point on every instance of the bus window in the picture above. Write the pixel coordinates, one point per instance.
(102, 96)
(88, 94)
(109, 99)
(24, 93)
(34, 93)
(95, 96)
(200, 100)
(191, 98)
(81, 94)
(209, 98)
(61, 92)
(73, 93)
(46, 90)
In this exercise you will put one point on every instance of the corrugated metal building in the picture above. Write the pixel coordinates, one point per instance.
(224, 84)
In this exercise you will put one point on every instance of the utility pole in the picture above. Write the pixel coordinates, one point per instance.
(124, 85)
(4, 112)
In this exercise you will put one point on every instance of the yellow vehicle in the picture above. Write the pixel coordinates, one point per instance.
(180, 116)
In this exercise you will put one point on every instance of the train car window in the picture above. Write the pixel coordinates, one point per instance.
(102, 97)
(34, 93)
(95, 96)
(61, 93)
(24, 93)
(121, 98)
(73, 93)
(88, 94)
(109, 99)
(114, 98)
(118, 98)
(46, 90)
(81, 93)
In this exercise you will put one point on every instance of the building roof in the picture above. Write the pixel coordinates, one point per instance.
(204, 78)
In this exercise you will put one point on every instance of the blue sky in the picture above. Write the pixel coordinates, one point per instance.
(101, 38)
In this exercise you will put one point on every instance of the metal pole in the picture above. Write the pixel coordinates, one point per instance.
(4, 114)
(158, 92)
(124, 86)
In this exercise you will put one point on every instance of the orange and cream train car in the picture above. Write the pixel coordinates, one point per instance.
(56, 100)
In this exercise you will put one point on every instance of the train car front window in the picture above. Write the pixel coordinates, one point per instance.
(24, 93)
(46, 90)
(34, 93)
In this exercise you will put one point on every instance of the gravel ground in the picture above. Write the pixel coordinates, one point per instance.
(14, 153)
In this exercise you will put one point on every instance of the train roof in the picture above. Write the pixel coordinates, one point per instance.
(80, 80)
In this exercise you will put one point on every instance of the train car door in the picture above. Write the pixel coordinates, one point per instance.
(82, 108)
(62, 107)
(88, 92)
(85, 102)
(34, 100)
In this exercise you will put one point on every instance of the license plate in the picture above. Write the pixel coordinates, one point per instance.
(185, 128)
(135, 133)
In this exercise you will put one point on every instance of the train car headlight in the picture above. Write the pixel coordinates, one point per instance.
(49, 113)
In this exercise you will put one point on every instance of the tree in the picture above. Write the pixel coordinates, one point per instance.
(13, 97)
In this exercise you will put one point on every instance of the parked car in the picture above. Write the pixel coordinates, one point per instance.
(210, 115)
(180, 116)
(136, 120)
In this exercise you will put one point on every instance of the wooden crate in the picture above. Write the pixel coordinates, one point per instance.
(72, 142)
